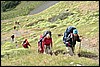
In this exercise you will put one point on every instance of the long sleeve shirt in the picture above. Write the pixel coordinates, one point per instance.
(47, 41)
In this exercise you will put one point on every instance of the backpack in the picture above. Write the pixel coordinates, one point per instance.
(47, 32)
(24, 43)
(67, 32)
(44, 34)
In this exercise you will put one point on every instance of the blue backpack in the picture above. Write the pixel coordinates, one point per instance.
(67, 32)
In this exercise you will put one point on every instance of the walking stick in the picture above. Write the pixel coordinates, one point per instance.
(79, 49)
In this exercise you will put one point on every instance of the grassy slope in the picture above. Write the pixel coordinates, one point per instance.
(88, 23)
(21, 10)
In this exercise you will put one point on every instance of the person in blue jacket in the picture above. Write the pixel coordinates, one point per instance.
(70, 37)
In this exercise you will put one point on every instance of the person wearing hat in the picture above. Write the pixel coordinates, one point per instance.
(71, 40)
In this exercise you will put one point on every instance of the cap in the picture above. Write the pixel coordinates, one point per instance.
(75, 31)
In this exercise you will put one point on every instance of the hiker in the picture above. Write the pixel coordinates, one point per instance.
(70, 38)
(18, 23)
(26, 43)
(14, 27)
(47, 44)
(12, 37)
(41, 42)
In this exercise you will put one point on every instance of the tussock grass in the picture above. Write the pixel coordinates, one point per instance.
(86, 23)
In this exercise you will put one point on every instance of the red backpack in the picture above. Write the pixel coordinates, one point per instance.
(41, 45)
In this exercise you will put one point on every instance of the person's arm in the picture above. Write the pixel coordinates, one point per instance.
(78, 39)
(28, 43)
(51, 42)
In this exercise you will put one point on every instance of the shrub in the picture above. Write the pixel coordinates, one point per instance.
(8, 5)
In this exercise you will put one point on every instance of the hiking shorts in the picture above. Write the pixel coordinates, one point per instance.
(67, 45)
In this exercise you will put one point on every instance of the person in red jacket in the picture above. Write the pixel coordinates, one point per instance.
(47, 44)
(25, 44)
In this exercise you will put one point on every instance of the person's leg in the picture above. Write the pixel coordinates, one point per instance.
(67, 48)
(44, 49)
(13, 39)
(73, 48)
(26, 46)
(70, 51)
(48, 50)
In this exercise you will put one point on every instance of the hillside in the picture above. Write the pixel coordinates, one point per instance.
(56, 19)
(22, 9)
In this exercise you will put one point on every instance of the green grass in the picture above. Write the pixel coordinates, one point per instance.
(21, 10)
(87, 26)
(16, 58)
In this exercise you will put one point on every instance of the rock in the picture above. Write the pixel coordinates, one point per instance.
(78, 65)
(72, 63)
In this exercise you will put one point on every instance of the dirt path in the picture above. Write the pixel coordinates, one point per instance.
(43, 7)
(92, 45)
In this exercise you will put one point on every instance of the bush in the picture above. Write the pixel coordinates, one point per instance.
(7, 5)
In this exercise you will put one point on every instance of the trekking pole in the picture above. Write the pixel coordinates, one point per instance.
(79, 49)
(51, 51)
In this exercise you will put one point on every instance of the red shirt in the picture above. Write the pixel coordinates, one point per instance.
(48, 41)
